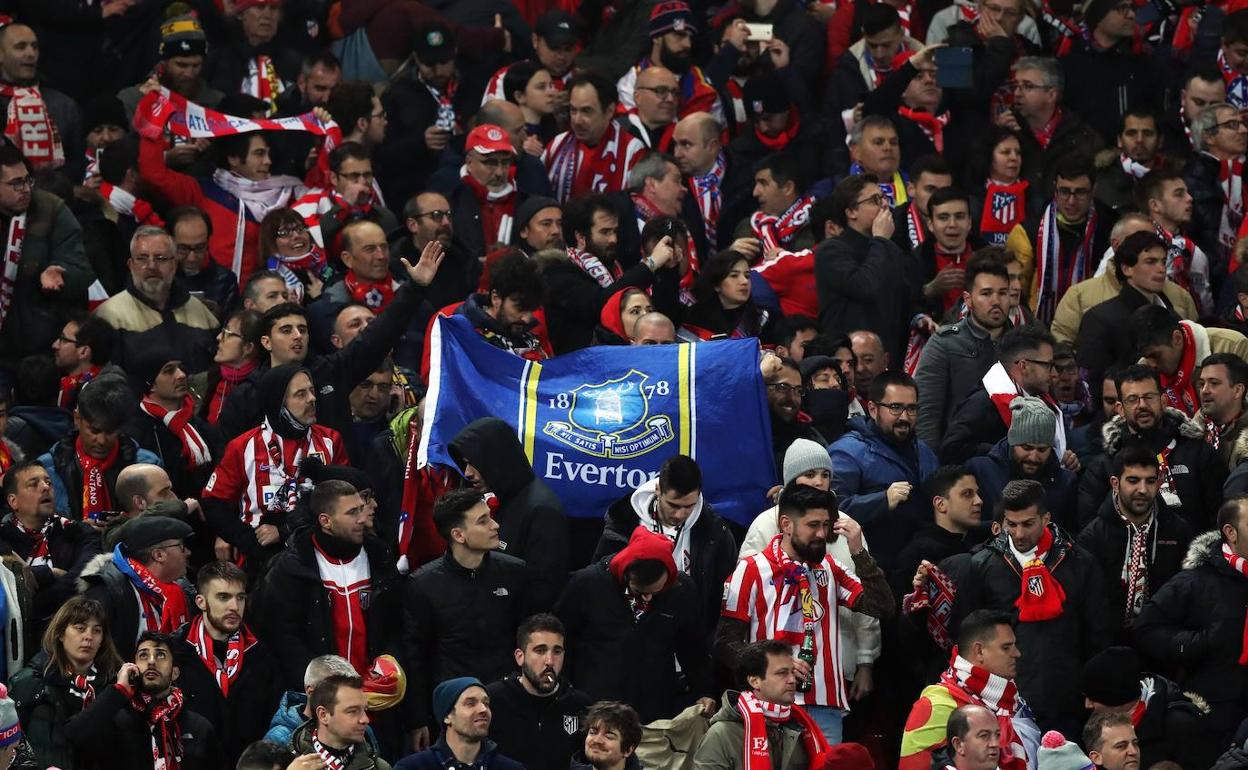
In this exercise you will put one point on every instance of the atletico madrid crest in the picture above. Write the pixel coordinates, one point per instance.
(1035, 586)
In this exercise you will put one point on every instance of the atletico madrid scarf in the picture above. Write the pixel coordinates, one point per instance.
(162, 723)
(195, 451)
(12, 258)
(936, 595)
(375, 294)
(67, 398)
(40, 555)
(127, 203)
(1044, 134)
(1179, 255)
(333, 759)
(706, 190)
(1135, 566)
(1041, 596)
(1236, 83)
(446, 120)
(96, 498)
(933, 126)
(576, 168)
(1004, 207)
(82, 686)
(263, 82)
(1179, 388)
(29, 126)
(1240, 565)
(164, 604)
(1060, 268)
(780, 231)
(894, 190)
(1231, 182)
(995, 693)
(603, 274)
(755, 712)
(224, 672)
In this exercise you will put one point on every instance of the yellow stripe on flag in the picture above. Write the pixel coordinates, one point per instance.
(684, 396)
(530, 409)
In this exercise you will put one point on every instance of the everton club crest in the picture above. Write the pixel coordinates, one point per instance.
(612, 419)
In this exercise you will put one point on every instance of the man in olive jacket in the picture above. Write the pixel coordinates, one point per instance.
(52, 272)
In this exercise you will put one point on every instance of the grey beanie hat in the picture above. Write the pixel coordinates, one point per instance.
(804, 455)
(1033, 422)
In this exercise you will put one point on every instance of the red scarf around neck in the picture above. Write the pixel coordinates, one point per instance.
(1004, 208)
(230, 377)
(195, 451)
(781, 140)
(71, 384)
(224, 672)
(1240, 565)
(755, 712)
(29, 126)
(374, 294)
(162, 722)
(96, 497)
(1179, 388)
(1042, 596)
(498, 208)
(932, 125)
(1044, 134)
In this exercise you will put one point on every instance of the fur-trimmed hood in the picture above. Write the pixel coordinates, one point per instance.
(1205, 551)
(1172, 421)
(92, 572)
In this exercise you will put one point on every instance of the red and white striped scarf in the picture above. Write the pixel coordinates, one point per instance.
(12, 259)
(277, 465)
(706, 189)
(576, 169)
(755, 712)
(330, 758)
(1240, 565)
(162, 722)
(127, 203)
(995, 693)
(164, 110)
(779, 231)
(595, 268)
(1231, 182)
(225, 673)
(30, 127)
(933, 126)
(1179, 255)
(40, 554)
(195, 451)
(447, 120)
(1135, 566)
(1236, 83)
(263, 82)
(82, 686)
(1044, 134)
(1058, 271)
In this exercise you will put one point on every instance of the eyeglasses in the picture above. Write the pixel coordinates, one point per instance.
(661, 92)
(358, 176)
(436, 215)
(1066, 368)
(66, 340)
(178, 545)
(25, 183)
(1148, 398)
(285, 231)
(228, 333)
(143, 260)
(495, 164)
(1023, 85)
(874, 200)
(896, 408)
(784, 389)
(376, 115)
(1234, 124)
(1045, 364)
(1074, 192)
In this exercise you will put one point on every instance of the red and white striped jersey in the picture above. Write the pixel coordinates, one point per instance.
(347, 583)
(758, 593)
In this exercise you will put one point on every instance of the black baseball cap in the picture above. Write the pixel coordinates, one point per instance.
(434, 43)
(557, 28)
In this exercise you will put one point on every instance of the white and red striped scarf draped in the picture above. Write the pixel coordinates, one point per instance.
(1231, 182)
(1240, 565)
(1056, 272)
(82, 686)
(40, 554)
(162, 722)
(262, 81)
(594, 267)
(996, 693)
(447, 119)
(330, 759)
(1180, 252)
(933, 126)
(163, 110)
(755, 712)
(706, 189)
(12, 259)
(226, 672)
(30, 127)
(575, 168)
(128, 203)
(195, 451)
(779, 231)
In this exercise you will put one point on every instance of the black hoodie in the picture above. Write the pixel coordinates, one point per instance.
(531, 521)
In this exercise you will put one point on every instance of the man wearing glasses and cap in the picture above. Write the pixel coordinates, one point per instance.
(484, 201)
(671, 47)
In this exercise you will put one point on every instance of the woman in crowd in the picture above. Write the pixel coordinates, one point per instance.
(236, 358)
(287, 244)
(619, 316)
(998, 171)
(724, 309)
(529, 86)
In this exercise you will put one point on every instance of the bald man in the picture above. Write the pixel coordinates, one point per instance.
(658, 97)
(699, 152)
(653, 329)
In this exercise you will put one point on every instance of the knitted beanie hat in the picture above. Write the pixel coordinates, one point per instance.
(804, 455)
(671, 16)
(446, 694)
(1033, 422)
(181, 33)
(1057, 753)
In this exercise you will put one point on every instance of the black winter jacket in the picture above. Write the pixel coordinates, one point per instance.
(1055, 650)
(103, 582)
(117, 736)
(462, 622)
(712, 552)
(243, 717)
(154, 436)
(1106, 539)
(539, 732)
(614, 657)
(867, 283)
(71, 545)
(1196, 624)
(531, 522)
(1198, 476)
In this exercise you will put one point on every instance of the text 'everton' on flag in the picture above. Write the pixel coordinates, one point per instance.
(598, 422)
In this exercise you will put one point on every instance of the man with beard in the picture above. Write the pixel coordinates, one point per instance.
(802, 611)
(556, 39)
(879, 464)
(785, 393)
(1190, 475)
(461, 611)
(183, 46)
(1139, 145)
(578, 286)
(1223, 386)
(142, 720)
(1056, 586)
(958, 355)
(154, 310)
(371, 402)
(595, 154)
(462, 707)
(539, 225)
(783, 217)
(227, 674)
(671, 47)
(537, 713)
(166, 424)
(1174, 347)
(612, 734)
(1027, 453)
(337, 733)
(1138, 541)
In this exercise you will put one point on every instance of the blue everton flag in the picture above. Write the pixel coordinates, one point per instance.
(599, 422)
